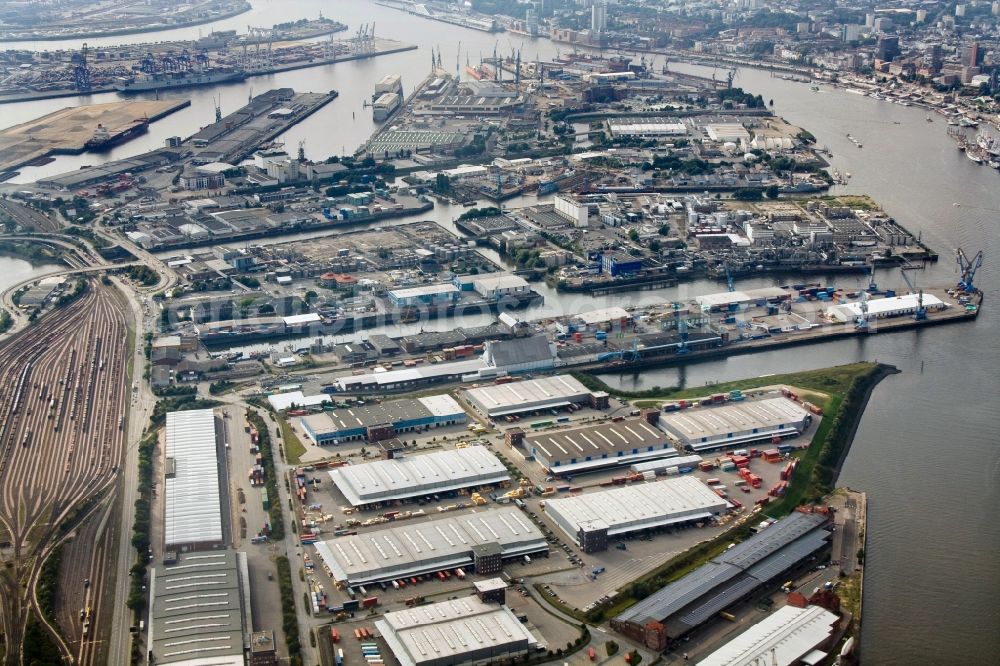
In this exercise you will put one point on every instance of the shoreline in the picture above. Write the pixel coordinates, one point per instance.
(129, 31)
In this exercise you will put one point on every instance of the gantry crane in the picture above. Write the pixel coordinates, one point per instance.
(921, 312)
(968, 268)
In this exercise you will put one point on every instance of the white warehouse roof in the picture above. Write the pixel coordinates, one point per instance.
(453, 632)
(515, 397)
(400, 478)
(707, 427)
(413, 548)
(783, 638)
(602, 315)
(298, 320)
(629, 508)
(881, 307)
(192, 512)
(281, 401)
(724, 298)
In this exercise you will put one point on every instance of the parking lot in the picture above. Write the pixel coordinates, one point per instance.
(568, 572)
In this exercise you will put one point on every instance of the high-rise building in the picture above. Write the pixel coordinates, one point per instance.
(887, 49)
(972, 55)
(959, 10)
(599, 17)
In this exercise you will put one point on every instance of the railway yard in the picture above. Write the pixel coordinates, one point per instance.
(61, 441)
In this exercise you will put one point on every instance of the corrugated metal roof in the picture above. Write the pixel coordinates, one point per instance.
(714, 586)
(782, 638)
(778, 535)
(639, 506)
(779, 562)
(193, 513)
(400, 478)
(680, 593)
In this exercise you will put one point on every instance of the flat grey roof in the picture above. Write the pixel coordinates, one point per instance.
(723, 580)
(409, 548)
(532, 394)
(452, 631)
(695, 423)
(417, 475)
(639, 506)
(608, 437)
(197, 610)
(192, 499)
(371, 414)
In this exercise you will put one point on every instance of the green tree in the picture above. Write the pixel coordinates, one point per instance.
(633, 235)
(772, 192)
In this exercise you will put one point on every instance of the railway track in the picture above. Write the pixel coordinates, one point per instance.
(63, 396)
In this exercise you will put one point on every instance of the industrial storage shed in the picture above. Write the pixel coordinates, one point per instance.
(458, 631)
(419, 475)
(592, 518)
(382, 420)
(192, 506)
(591, 447)
(532, 395)
(412, 549)
(893, 306)
(784, 638)
(199, 608)
(720, 583)
(707, 428)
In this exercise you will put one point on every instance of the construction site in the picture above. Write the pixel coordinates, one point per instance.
(77, 129)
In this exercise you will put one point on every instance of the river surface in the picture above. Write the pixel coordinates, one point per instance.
(14, 270)
(927, 450)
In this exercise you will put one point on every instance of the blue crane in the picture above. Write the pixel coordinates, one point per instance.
(968, 268)
(921, 312)
(682, 330)
(872, 287)
(729, 279)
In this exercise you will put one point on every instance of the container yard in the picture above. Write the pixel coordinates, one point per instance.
(213, 59)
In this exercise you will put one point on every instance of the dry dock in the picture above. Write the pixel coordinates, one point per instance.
(67, 130)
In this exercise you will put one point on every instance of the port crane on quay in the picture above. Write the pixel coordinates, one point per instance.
(968, 267)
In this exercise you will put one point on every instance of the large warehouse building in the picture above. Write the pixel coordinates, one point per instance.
(192, 501)
(457, 631)
(787, 637)
(481, 540)
(592, 447)
(592, 518)
(378, 421)
(736, 424)
(534, 395)
(419, 475)
(199, 610)
(762, 560)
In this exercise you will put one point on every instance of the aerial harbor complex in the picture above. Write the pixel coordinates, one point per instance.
(544, 332)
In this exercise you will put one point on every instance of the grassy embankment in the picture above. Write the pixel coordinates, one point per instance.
(842, 393)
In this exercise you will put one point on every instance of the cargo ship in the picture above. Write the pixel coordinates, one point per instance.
(177, 80)
(480, 72)
(105, 138)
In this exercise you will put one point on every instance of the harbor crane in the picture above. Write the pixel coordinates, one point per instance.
(682, 330)
(921, 313)
(730, 285)
(862, 321)
(81, 69)
(872, 287)
(968, 268)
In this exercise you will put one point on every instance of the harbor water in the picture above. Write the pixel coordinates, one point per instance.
(926, 451)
